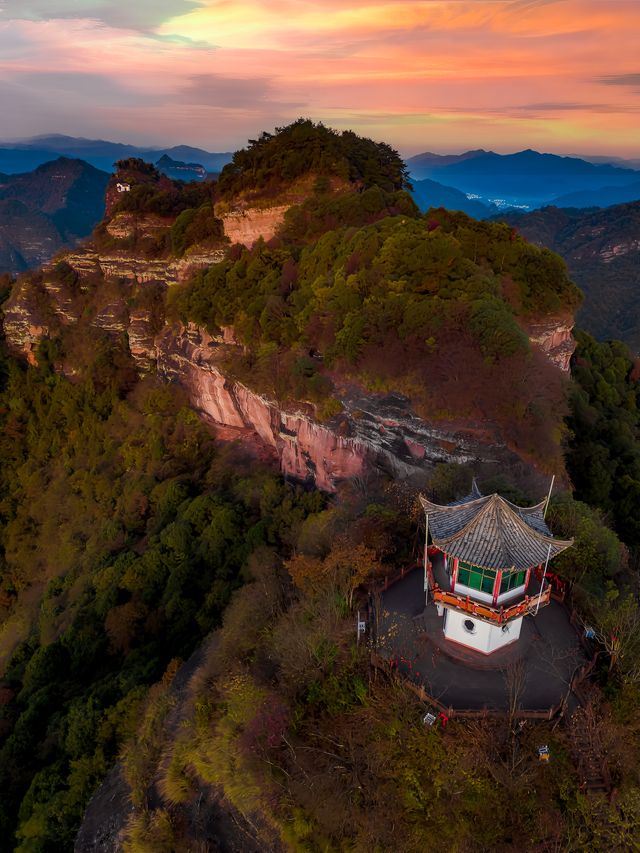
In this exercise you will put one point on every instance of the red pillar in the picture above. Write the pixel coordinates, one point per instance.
(454, 574)
(496, 586)
(526, 580)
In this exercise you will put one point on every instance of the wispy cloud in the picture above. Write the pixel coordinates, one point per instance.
(235, 93)
(439, 74)
(620, 80)
(568, 106)
(143, 15)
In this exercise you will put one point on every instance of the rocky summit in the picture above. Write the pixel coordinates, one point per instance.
(135, 279)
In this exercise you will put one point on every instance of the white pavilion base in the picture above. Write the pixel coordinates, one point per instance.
(461, 627)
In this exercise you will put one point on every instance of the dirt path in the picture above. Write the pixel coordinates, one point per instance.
(209, 819)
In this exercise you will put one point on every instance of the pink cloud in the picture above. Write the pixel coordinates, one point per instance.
(514, 72)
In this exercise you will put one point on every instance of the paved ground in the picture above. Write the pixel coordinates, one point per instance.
(537, 668)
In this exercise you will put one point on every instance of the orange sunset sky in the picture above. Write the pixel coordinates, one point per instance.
(439, 75)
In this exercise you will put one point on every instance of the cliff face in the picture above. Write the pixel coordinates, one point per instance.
(379, 431)
(128, 266)
(246, 220)
(306, 449)
(125, 225)
(555, 340)
(25, 321)
(247, 224)
(372, 431)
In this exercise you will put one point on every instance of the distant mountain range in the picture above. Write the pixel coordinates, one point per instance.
(602, 251)
(487, 180)
(613, 161)
(27, 154)
(603, 197)
(46, 209)
(428, 194)
(528, 179)
(179, 171)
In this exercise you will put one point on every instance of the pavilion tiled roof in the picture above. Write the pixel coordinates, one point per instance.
(491, 532)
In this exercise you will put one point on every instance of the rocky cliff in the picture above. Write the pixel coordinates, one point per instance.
(373, 430)
(131, 267)
(555, 340)
(247, 224)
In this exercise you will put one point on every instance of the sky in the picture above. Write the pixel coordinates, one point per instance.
(425, 75)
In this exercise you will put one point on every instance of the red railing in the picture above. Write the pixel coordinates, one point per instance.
(491, 614)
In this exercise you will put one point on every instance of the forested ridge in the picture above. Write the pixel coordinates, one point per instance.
(407, 302)
(127, 532)
(275, 159)
(128, 535)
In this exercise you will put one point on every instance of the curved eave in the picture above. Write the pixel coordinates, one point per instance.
(496, 536)
(522, 567)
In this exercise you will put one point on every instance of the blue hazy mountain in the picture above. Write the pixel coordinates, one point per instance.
(526, 178)
(29, 153)
(178, 170)
(625, 163)
(429, 193)
(45, 209)
(603, 197)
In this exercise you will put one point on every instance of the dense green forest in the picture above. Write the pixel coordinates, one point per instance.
(604, 447)
(123, 532)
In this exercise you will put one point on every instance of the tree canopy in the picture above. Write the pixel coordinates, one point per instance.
(303, 147)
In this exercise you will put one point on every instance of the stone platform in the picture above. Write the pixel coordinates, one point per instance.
(536, 670)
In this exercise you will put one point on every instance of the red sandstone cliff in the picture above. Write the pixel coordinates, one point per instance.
(246, 225)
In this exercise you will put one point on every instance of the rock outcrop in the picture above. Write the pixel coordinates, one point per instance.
(124, 226)
(142, 331)
(247, 224)
(26, 320)
(555, 340)
(372, 431)
(131, 267)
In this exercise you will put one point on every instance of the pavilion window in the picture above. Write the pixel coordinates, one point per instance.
(476, 578)
(512, 580)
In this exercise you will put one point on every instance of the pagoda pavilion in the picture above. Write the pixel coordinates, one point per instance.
(490, 559)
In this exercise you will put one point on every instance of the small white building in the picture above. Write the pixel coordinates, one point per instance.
(123, 188)
(494, 558)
